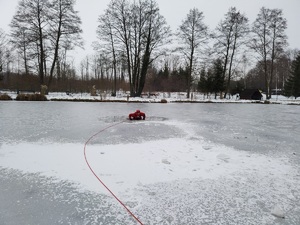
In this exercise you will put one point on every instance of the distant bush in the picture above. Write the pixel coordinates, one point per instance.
(31, 97)
(163, 101)
(5, 97)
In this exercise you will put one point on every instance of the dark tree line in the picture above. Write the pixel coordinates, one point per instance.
(212, 80)
(292, 86)
(167, 79)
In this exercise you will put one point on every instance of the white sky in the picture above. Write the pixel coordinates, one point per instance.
(175, 11)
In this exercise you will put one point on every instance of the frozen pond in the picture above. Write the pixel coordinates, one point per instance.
(185, 164)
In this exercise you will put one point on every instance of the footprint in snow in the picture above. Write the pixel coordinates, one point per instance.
(206, 147)
(223, 157)
(165, 161)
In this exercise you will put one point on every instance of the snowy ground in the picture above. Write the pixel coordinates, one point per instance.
(185, 164)
(169, 97)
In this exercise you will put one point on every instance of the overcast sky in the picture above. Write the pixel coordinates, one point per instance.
(175, 11)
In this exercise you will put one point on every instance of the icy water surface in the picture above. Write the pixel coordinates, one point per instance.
(245, 197)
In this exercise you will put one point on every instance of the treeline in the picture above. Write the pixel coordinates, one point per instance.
(30, 83)
(137, 51)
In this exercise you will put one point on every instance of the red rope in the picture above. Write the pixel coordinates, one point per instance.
(100, 179)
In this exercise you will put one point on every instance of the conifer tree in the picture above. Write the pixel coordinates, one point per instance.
(202, 84)
(292, 85)
(218, 77)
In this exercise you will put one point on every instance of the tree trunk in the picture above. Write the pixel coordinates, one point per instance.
(41, 60)
(189, 78)
(272, 65)
(25, 61)
(227, 57)
(145, 65)
(56, 48)
(230, 65)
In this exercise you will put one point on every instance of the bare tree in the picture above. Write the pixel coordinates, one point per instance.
(3, 42)
(23, 46)
(42, 29)
(269, 40)
(107, 37)
(85, 68)
(230, 36)
(192, 34)
(29, 31)
(139, 31)
(64, 29)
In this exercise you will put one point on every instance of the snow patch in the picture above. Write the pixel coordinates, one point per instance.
(278, 212)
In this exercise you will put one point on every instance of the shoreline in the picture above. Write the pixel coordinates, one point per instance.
(158, 98)
(162, 101)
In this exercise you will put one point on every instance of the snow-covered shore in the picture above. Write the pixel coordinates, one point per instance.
(178, 97)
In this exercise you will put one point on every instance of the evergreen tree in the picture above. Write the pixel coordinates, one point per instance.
(292, 85)
(206, 83)
(218, 77)
(212, 81)
(165, 72)
(202, 81)
(238, 87)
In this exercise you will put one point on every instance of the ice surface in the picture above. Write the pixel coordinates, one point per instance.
(186, 164)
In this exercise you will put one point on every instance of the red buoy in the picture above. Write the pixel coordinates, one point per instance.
(137, 115)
